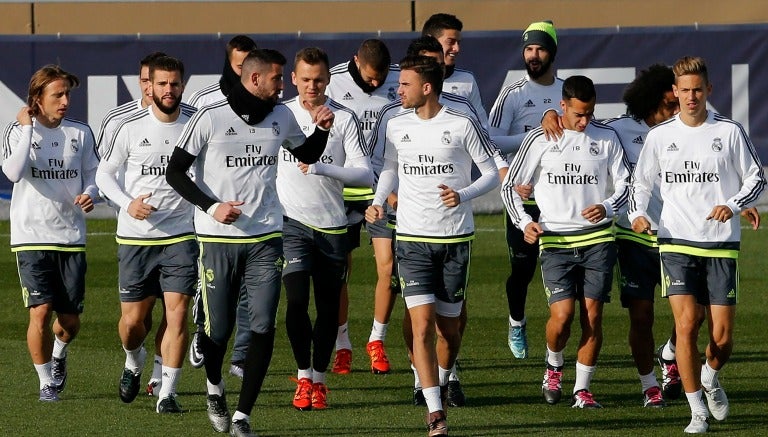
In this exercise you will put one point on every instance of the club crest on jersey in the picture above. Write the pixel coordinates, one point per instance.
(446, 138)
(275, 128)
(717, 145)
(594, 150)
(73, 145)
(454, 89)
(391, 94)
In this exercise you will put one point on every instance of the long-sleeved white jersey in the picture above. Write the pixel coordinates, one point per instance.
(316, 199)
(49, 168)
(421, 155)
(462, 83)
(697, 169)
(581, 169)
(205, 96)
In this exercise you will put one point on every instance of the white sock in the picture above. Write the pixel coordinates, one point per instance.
(442, 375)
(305, 373)
(696, 403)
(555, 359)
(648, 381)
(215, 389)
(378, 331)
(708, 375)
(44, 374)
(59, 348)
(318, 377)
(583, 377)
(342, 338)
(239, 415)
(157, 368)
(432, 396)
(416, 380)
(668, 352)
(454, 376)
(134, 359)
(513, 322)
(170, 378)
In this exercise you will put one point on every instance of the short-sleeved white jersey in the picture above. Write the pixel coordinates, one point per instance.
(62, 165)
(428, 153)
(578, 170)
(238, 162)
(205, 96)
(697, 169)
(312, 199)
(142, 145)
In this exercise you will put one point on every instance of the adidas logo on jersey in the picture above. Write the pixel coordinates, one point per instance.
(348, 96)
(230, 131)
(554, 148)
(406, 139)
(145, 143)
(530, 104)
(35, 145)
(638, 140)
(672, 148)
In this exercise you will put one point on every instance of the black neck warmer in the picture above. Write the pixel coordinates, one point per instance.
(228, 78)
(249, 107)
(449, 69)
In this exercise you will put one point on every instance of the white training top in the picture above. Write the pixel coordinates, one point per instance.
(697, 168)
(462, 83)
(142, 145)
(568, 175)
(316, 199)
(422, 154)
(49, 168)
(112, 119)
(238, 162)
(207, 95)
(519, 109)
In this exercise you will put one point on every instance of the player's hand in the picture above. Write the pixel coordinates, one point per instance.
(374, 213)
(752, 216)
(641, 225)
(85, 202)
(322, 116)
(392, 200)
(140, 210)
(304, 168)
(449, 197)
(720, 213)
(524, 191)
(227, 212)
(552, 125)
(594, 213)
(532, 232)
(24, 117)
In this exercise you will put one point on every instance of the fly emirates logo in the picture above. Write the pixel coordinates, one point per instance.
(690, 173)
(571, 175)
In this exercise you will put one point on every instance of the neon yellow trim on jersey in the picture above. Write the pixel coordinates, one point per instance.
(629, 235)
(698, 251)
(352, 194)
(204, 292)
(529, 202)
(332, 231)
(51, 248)
(238, 240)
(571, 241)
(158, 242)
(436, 240)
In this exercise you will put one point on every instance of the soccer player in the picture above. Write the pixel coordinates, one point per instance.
(517, 110)
(707, 170)
(446, 28)
(429, 151)
(106, 131)
(157, 252)
(51, 161)
(315, 226)
(236, 51)
(235, 145)
(572, 176)
(364, 84)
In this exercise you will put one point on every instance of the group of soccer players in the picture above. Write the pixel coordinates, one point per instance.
(222, 199)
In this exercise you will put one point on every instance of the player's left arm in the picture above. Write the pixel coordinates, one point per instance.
(482, 151)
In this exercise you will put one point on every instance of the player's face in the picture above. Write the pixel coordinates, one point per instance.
(668, 107)
(167, 88)
(310, 81)
(411, 89)
(270, 83)
(236, 59)
(53, 103)
(146, 86)
(371, 76)
(577, 114)
(537, 59)
(450, 39)
(692, 91)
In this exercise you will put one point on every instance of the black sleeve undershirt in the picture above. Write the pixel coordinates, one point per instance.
(176, 175)
(313, 147)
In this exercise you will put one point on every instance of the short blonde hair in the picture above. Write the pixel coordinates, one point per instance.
(691, 65)
(44, 77)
